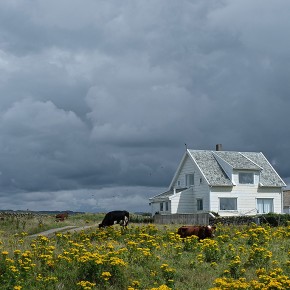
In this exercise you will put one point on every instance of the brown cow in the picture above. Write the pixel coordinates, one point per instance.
(61, 216)
(202, 232)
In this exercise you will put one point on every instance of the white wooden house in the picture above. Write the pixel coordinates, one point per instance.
(226, 182)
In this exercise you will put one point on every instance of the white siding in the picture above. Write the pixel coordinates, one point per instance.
(187, 168)
(185, 202)
(201, 191)
(246, 198)
(276, 194)
(174, 202)
(182, 202)
(155, 207)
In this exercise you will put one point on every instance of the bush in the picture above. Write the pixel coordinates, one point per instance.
(271, 219)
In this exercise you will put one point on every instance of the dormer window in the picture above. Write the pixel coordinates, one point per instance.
(189, 180)
(246, 177)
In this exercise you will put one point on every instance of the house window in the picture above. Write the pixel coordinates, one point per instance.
(264, 205)
(246, 177)
(199, 204)
(228, 203)
(178, 183)
(161, 206)
(166, 206)
(189, 179)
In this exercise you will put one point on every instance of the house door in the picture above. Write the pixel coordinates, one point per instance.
(264, 205)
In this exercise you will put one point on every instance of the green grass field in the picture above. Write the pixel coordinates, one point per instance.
(145, 256)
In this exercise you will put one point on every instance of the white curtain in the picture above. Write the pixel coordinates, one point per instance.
(265, 205)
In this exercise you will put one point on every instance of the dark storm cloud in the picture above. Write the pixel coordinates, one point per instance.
(97, 99)
(46, 148)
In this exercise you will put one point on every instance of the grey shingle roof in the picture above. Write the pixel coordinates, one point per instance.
(210, 167)
(237, 160)
(215, 175)
(268, 176)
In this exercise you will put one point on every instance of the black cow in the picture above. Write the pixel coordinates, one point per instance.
(120, 217)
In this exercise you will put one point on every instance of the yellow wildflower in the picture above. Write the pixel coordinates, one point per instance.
(106, 275)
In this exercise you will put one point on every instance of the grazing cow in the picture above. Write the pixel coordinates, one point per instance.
(202, 232)
(61, 216)
(120, 217)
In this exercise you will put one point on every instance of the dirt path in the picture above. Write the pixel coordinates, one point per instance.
(67, 229)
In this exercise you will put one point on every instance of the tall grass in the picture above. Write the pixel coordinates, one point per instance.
(146, 256)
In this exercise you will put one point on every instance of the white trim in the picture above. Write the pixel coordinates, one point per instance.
(177, 171)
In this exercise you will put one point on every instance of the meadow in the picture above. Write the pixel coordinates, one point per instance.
(144, 256)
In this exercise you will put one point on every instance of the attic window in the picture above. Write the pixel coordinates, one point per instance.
(189, 179)
(246, 177)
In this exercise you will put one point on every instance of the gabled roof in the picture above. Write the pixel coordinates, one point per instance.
(213, 172)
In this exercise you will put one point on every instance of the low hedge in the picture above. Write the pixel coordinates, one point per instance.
(271, 219)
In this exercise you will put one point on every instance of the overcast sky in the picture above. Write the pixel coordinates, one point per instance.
(98, 97)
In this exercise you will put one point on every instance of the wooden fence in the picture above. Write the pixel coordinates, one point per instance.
(184, 219)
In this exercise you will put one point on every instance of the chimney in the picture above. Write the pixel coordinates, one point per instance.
(218, 147)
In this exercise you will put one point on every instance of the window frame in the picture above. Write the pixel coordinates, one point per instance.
(189, 179)
(228, 198)
(161, 206)
(264, 205)
(199, 204)
(246, 176)
(166, 206)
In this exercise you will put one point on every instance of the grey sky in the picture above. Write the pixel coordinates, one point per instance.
(98, 98)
